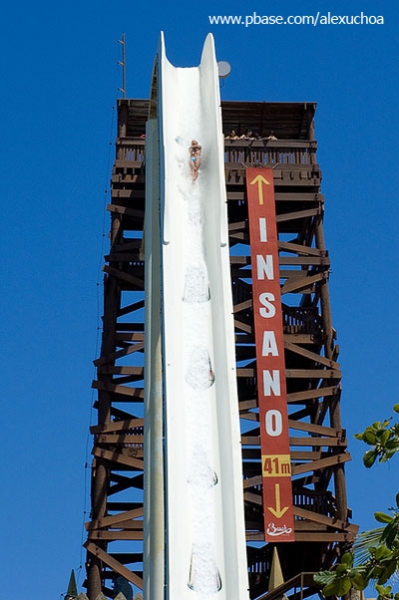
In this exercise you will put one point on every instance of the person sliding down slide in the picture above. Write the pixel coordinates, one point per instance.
(195, 158)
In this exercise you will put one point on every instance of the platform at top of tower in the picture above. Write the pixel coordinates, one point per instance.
(286, 120)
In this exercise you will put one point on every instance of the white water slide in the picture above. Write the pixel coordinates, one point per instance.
(199, 491)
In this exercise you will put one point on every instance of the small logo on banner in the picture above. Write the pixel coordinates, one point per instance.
(276, 531)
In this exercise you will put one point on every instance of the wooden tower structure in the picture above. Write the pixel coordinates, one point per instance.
(285, 142)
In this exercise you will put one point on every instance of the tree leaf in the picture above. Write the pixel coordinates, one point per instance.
(382, 551)
(383, 517)
(387, 455)
(369, 436)
(383, 591)
(385, 437)
(359, 582)
(369, 458)
(388, 572)
(379, 433)
(324, 577)
(341, 570)
(389, 535)
(339, 587)
(347, 559)
(392, 444)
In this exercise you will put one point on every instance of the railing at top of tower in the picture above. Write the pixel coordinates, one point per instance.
(268, 152)
(262, 152)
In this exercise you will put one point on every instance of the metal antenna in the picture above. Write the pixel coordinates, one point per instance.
(122, 63)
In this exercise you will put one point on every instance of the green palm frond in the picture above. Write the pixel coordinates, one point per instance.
(364, 541)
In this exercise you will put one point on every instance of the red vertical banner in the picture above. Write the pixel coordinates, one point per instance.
(270, 363)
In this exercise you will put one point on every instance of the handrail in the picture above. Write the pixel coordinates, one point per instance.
(301, 320)
(270, 152)
(260, 152)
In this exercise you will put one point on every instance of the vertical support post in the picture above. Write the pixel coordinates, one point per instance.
(99, 489)
(312, 139)
(335, 413)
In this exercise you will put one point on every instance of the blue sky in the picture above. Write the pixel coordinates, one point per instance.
(59, 77)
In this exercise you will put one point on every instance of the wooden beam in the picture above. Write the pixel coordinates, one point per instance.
(304, 260)
(252, 481)
(313, 428)
(309, 526)
(118, 354)
(124, 276)
(301, 338)
(113, 564)
(300, 249)
(286, 260)
(246, 404)
(297, 285)
(242, 306)
(301, 536)
(253, 498)
(314, 442)
(309, 354)
(130, 525)
(300, 214)
(122, 334)
(238, 226)
(100, 534)
(127, 246)
(242, 236)
(240, 260)
(119, 458)
(106, 386)
(305, 455)
(318, 441)
(121, 438)
(319, 392)
(115, 519)
(323, 463)
(123, 210)
(313, 373)
(234, 196)
(246, 372)
(131, 166)
(117, 426)
(243, 326)
(113, 370)
(249, 440)
(324, 520)
(249, 416)
(125, 336)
